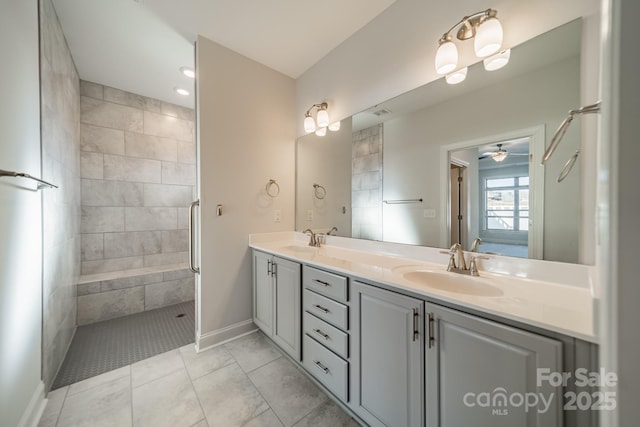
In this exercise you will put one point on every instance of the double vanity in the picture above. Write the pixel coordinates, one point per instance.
(400, 341)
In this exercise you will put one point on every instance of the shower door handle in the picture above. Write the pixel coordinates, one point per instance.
(192, 266)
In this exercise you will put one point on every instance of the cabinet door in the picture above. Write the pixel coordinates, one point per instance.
(286, 329)
(263, 292)
(478, 370)
(387, 362)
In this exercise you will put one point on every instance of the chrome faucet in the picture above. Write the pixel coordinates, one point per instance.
(474, 246)
(461, 265)
(312, 237)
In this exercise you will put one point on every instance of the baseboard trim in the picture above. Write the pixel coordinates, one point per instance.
(223, 335)
(35, 408)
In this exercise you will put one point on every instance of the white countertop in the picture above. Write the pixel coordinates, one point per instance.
(529, 295)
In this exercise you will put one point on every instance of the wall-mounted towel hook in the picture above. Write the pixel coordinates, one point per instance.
(272, 187)
(319, 191)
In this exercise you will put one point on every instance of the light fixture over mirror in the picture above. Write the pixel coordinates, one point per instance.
(486, 30)
(320, 124)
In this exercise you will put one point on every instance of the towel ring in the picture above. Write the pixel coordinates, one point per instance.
(319, 191)
(269, 188)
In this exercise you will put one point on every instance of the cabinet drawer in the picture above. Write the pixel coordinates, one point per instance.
(326, 309)
(327, 335)
(326, 367)
(322, 282)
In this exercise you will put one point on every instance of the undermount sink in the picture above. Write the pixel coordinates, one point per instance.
(451, 282)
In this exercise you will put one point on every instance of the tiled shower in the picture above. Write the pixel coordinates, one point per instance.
(137, 166)
(116, 230)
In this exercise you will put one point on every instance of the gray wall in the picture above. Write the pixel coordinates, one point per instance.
(324, 160)
(246, 137)
(60, 106)
(138, 177)
(21, 390)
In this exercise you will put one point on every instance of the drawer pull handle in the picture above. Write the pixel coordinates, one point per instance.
(321, 308)
(321, 367)
(322, 334)
(320, 282)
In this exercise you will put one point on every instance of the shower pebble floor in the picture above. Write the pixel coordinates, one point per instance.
(245, 382)
(104, 346)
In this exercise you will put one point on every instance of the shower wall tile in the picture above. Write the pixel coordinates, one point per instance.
(88, 288)
(102, 219)
(91, 165)
(176, 173)
(165, 259)
(109, 305)
(118, 96)
(168, 293)
(92, 90)
(151, 147)
(130, 282)
(107, 114)
(183, 218)
(117, 245)
(114, 264)
(150, 219)
(111, 193)
(175, 241)
(92, 246)
(101, 140)
(169, 127)
(177, 274)
(187, 153)
(120, 168)
(167, 195)
(138, 167)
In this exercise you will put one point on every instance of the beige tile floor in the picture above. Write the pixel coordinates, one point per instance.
(246, 382)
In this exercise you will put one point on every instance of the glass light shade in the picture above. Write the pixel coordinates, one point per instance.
(446, 57)
(321, 131)
(457, 76)
(497, 61)
(322, 118)
(309, 124)
(181, 91)
(488, 39)
(499, 156)
(334, 126)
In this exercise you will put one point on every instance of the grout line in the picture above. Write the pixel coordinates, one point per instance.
(193, 387)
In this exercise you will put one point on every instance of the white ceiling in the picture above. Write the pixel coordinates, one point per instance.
(139, 45)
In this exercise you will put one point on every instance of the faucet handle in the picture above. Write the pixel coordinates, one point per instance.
(452, 259)
(473, 265)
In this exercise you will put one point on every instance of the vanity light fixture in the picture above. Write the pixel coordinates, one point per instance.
(457, 76)
(486, 30)
(181, 91)
(497, 61)
(320, 124)
(188, 71)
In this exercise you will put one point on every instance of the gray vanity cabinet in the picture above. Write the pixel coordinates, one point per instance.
(477, 371)
(276, 300)
(387, 357)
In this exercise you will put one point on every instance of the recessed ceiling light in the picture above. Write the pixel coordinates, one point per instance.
(188, 71)
(181, 91)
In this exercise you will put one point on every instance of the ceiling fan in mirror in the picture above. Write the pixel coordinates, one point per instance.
(500, 154)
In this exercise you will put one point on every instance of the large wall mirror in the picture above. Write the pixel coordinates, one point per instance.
(449, 163)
